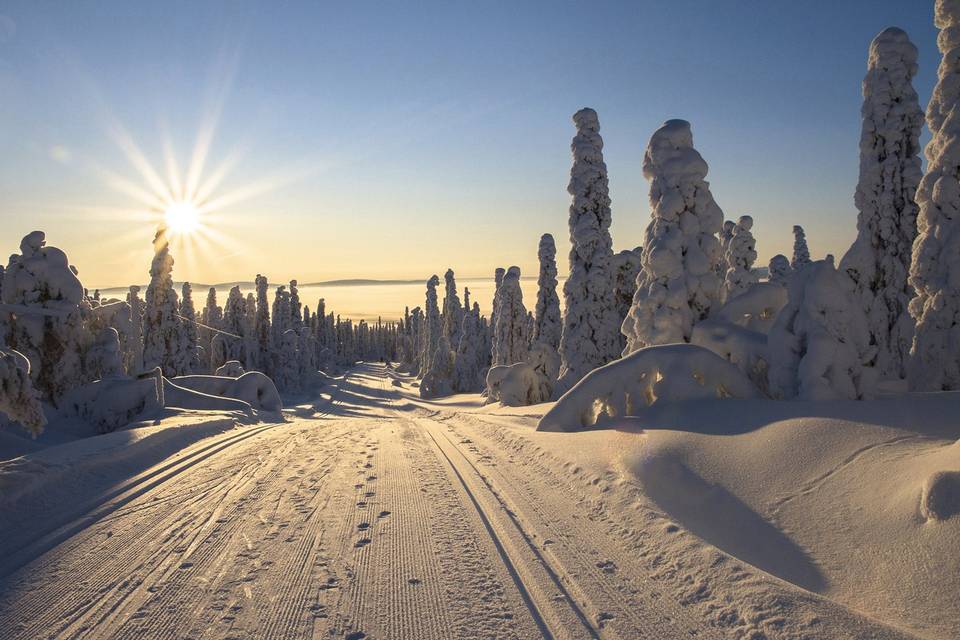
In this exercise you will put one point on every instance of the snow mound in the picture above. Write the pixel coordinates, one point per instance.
(668, 373)
(940, 498)
(252, 388)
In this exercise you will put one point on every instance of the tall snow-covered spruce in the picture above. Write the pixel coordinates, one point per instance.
(510, 339)
(590, 322)
(163, 331)
(935, 355)
(879, 260)
(679, 281)
(547, 327)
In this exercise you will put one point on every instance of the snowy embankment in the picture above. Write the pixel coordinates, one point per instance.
(858, 502)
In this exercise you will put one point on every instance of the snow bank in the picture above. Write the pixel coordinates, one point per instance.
(252, 388)
(667, 373)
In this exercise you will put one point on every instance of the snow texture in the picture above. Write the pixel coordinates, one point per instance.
(666, 373)
(935, 354)
(819, 346)
(879, 260)
(589, 338)
(678, 284)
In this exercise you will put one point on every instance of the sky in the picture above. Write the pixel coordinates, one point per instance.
(394, 139)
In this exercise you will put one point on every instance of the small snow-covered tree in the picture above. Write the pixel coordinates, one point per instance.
(819, 346)
(452, 311)
(935, 354)
(19, 401)
(212, 319)
(778, 269)
(626, 268)
(510, 333)
(879, 260)
(137, 309)
(801, 254)
(470, 359)
(678, 284)
(740, 256)
(438, 380)
(163, 331)
(49, 332)
(547, 327)
(590, 325)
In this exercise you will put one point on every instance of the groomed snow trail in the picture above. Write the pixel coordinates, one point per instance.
(380, 517)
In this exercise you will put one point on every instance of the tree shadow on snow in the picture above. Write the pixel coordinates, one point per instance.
(717, 516)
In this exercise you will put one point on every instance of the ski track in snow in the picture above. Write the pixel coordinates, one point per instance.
(372, 518)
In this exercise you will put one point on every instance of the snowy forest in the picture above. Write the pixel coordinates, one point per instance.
(665, 334)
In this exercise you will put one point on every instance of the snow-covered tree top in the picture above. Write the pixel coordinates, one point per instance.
(670, 154)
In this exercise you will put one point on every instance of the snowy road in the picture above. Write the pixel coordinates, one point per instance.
(378, 517)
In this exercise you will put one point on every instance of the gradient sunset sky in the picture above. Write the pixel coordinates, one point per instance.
(394, 140)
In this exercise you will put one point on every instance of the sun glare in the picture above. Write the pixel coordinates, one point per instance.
(182, 218)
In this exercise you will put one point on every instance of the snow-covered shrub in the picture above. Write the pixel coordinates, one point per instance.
(164, 339)
(779, 270)
(678, 283)
(664, 373)
(253, 388)
(111, 403)
(590, 324)
(879, 260)
(438, 380)
(756, 308)
(744, 347)
(819, 345)
(230, 369)
(801, 254)
(48, 328)
(510, 341)
(525, 383)
(104, 358)
(935, 355)
(547, 327)
(19, 401)
(741, 253)
(119, 316)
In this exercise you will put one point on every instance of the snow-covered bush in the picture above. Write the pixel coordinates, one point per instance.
(510, 338)
(590, 324)
(665, 373)
(756, 308)
(678, 283)
(547, 327)
(779, 270)
(801, 254)
(230, 369)
(745, 348)
(819, 345)
(879, 260)
(525, 383)
(19, 401)
(48, 327)
(119, 316)
(935, 355)
(741, 253)
(104, 358)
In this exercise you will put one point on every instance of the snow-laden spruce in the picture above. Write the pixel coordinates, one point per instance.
(935, 355)
(438, 381)
(590, 324)
(164, 336)
(48, 327)
(452, 310)
(801, 254)
(547, 326)
(741, 253)
(432, 329)
(264, 336)
(679, 281)
(470, 359)
(879, 260)
(778, 269)
(190, 341)
(819, 347)
(510, 341)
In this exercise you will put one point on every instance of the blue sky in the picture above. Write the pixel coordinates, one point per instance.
(397, 139)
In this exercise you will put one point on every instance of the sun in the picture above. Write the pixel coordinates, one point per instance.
(182, 218)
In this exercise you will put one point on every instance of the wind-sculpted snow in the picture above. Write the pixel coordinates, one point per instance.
(665, 373)
(19, 401)
(819, 346)
(679, 281)
(590, 321)
(935, 356)
(879, 260)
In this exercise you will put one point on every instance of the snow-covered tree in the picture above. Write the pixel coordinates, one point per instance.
(801, 254)
(19, 401)
(678, 283)
(879, 260)
(211, 318)
(547, 327)
(163, 330)
(188, 316)
(470, 359)
(819, 347)
(262, 326)
(452, 311)
(432, 329)
(778, 269)
(510, 341)
(740, 255)
(296, 314)
(626, 268)
(250, 347)
(935, 355)
(438, 380)
(590, 326)
(49, 330)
